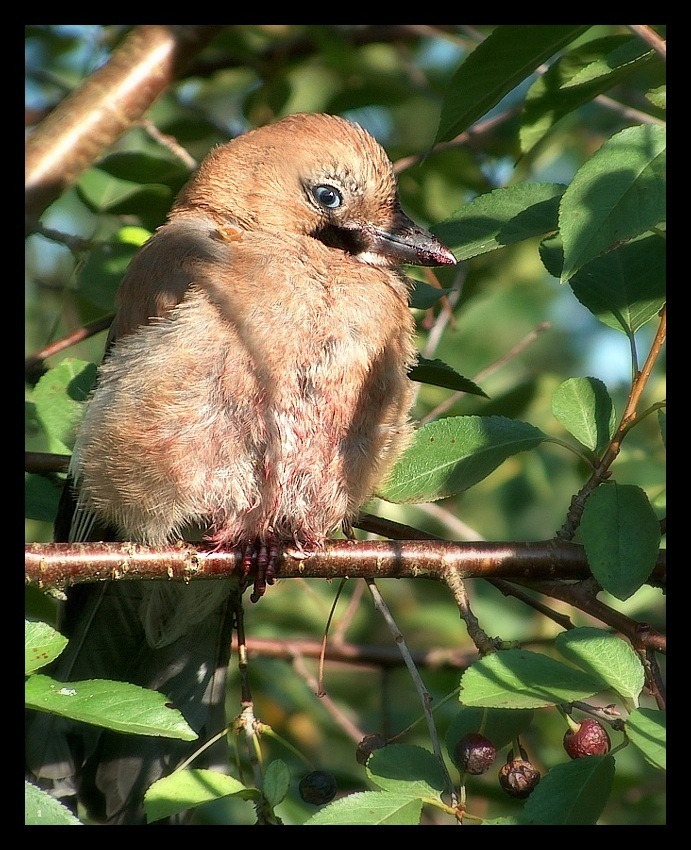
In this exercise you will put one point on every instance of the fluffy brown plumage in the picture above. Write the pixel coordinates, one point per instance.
(255, 388)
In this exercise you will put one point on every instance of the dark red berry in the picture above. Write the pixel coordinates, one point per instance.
(590, 739)
(368, 745)
(318, 787)
(518, 778)
(474, 753)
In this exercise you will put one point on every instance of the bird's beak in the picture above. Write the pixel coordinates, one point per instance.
(406, 242)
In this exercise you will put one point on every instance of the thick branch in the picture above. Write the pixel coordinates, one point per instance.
(107, 104)
(63, 564)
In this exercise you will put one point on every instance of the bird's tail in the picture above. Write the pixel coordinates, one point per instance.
(170, 637)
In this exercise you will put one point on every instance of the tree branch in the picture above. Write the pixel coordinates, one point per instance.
(106, 105)
(57, 565)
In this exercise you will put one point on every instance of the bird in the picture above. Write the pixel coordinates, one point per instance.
(253, 394)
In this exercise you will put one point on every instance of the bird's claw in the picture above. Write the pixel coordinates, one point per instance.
(263, 556)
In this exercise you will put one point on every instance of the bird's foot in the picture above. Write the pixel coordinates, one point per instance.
(264, 557)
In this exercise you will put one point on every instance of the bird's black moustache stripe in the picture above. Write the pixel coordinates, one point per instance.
(351, 241)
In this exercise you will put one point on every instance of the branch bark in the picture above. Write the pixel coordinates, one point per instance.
(57, 565)
(106, 105)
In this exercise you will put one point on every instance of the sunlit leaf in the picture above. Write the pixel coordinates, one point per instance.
(40, 809)
(585, 409)
(42, 644)
(625, 288)
(115, 705)
(618, 194)
(502, 217)
(59, 397)
(369, 808)
(577, 78)
(450, 455)
(276, 781)
(497, 65)
(517, 678)
(607, 656)
(647, 731)
(406, 770)
(186, 789)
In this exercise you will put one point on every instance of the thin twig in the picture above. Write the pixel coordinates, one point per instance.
(517, 349)
(322, 654)
(346, 724)
(425, 696)
(628, 420)
(628, 112)
(650, 37)
(339, 633)
(246, 722)
(471, 135)
(36, 360)
(169, 142)
(479, 637)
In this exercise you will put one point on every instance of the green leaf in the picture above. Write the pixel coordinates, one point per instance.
(59, 397)
(141, 167)
(621, 536)
(102, 271)
(501, 218)
(516, 678)
(406, 770)
(616, 53)
(276, 782)
(40, 809)
(500, 725)
(450, 455)
(42, 644)
(647, 731)
(423, 296)
(186, 789)
(439, 374)
(573, 793)
(618, 194)
(496, 66)
(606, 656)
(658, 97)
(42, 497)
(623, 289)
(575, 79)
(369, 808)
(104, 193)
(585, 409)
(115, 705)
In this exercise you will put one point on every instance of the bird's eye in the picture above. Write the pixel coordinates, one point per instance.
(327, 196)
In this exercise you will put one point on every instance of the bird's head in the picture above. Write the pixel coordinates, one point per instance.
(316, 175)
